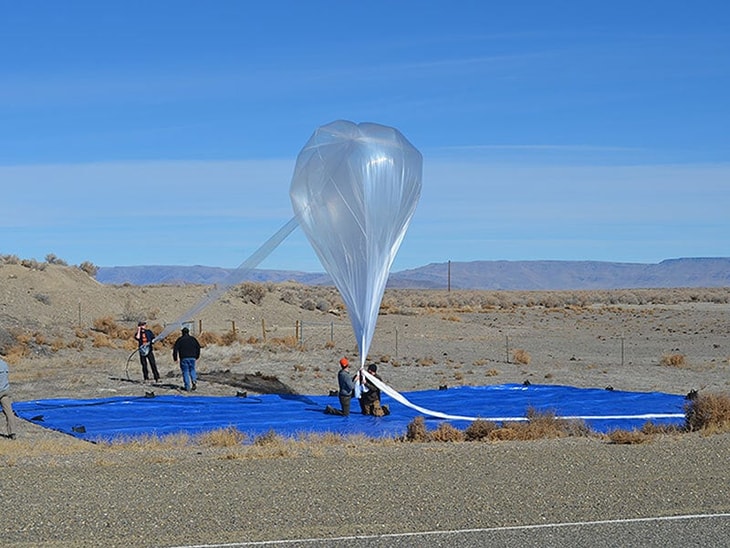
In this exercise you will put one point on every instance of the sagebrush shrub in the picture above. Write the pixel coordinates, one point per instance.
(446, 433)
(251, 292)
(90, 268)
(479, 430)
(673, 360)
(206, 338)
(222, 437)
(229, 338)
(105, 325)
(709, 412)
(102, 340)
(628, 437)
(270, 438)
(416, 430)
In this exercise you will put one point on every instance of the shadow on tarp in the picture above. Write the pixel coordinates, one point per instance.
(289, 415)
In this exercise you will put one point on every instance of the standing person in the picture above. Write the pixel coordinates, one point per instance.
(346, 389)
(5, 400)
(370, 398)
(187, 348)
(144, 338)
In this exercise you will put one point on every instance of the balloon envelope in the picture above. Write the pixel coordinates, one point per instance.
(354, 191)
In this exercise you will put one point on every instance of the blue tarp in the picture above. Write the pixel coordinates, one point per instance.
(108, 418)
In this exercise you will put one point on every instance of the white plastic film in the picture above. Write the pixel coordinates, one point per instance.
(400, 398)
(354, 191)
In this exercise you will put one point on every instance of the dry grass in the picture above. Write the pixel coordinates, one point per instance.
(539, 425)
(222, 437)
(709, 413)
(290, 341)
(23, 448)
(207, 338)
(673, 360)
(628, 437)
(521, 356)
(643, 435)
(106, 325)
(16, 353)
(150, 442)
(452, 318)
(101, 340)
(416, 430)
(225, 443)
(446, 433)
(480, 430)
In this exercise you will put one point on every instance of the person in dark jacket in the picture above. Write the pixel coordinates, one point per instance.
(144, 338)
(346, 386)
(187, 348)
(370, 397)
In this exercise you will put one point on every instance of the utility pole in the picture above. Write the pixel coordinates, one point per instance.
(448, 278)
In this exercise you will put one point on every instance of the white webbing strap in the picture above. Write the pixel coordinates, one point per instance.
(402, 399)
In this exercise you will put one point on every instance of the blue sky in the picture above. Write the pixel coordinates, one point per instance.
(166, 132)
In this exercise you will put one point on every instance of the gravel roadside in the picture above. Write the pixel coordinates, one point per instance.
(216, 496)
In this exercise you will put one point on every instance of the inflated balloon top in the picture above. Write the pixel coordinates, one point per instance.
(354, 191)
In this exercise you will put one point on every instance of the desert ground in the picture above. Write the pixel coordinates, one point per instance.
(67, 336)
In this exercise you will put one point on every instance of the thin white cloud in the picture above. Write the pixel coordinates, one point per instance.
(217, 213)
(539, 147)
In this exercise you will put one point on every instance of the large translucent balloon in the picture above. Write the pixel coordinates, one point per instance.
(354, 190)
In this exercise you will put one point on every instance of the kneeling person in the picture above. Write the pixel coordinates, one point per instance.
(370, 398)
(346, 389)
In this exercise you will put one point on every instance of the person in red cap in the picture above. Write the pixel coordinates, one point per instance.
(346, 389)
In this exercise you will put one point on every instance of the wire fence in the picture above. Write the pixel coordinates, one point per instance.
(502, 343)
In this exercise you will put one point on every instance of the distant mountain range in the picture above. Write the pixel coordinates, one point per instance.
(492, 275)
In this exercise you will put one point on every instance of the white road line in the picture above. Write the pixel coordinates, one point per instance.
(459, 531)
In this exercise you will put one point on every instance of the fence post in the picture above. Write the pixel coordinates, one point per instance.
(622, 350)
(507, 346)
(263, 329)
(332, 331)
(200, 326)
(396, 342)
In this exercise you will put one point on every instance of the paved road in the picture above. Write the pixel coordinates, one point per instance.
(664, 532)
(469, 494)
